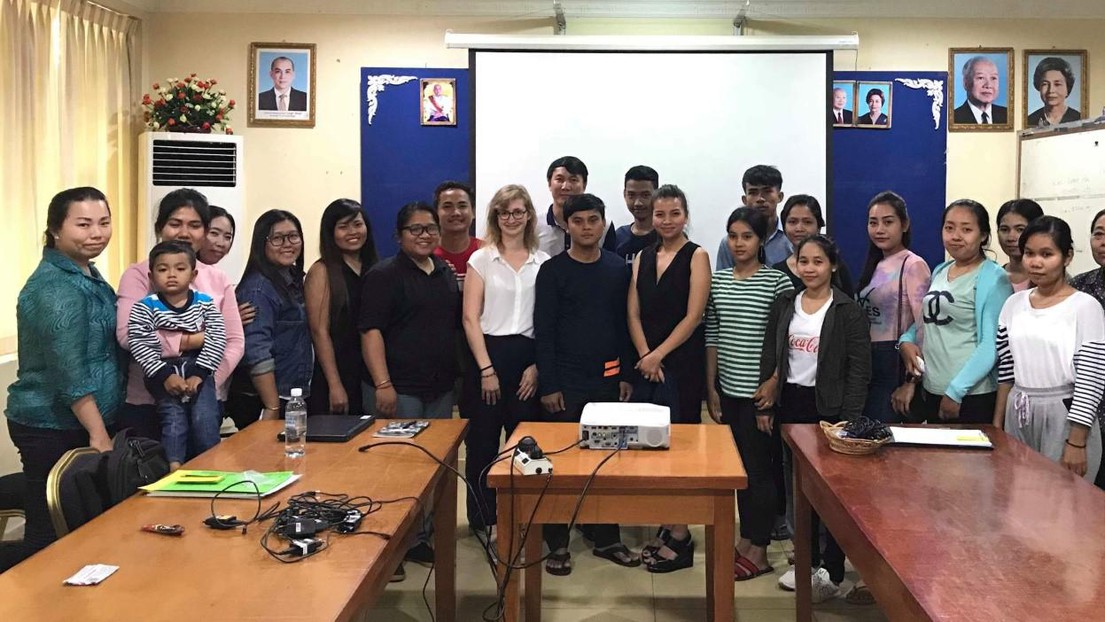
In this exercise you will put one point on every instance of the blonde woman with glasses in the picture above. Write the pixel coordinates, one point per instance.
(498, 322)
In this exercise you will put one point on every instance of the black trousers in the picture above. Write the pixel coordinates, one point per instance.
(975, 409)
(603, 535)
(39, 449)
(798, 404)
(510, 355)
(755, 504)
(142, 419)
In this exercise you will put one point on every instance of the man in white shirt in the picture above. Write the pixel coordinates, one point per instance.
(282, 96)
(567, 176)
(981, 81)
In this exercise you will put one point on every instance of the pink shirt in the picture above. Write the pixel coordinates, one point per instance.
(880, 297)
(135, 285)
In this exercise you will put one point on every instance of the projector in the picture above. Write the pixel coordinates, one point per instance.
(610, 425)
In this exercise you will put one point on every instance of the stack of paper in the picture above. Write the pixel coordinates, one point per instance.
(226, 484)
(941, 437)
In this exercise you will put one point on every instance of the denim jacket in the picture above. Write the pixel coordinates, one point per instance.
(277, 340)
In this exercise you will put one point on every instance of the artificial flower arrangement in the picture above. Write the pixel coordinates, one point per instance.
(188, 105)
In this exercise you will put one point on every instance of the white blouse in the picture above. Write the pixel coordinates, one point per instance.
(508, 295)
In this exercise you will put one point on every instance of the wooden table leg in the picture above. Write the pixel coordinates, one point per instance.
(803, 554)
(533, 574)
(720, 540)
(508, 542)
(445, 548)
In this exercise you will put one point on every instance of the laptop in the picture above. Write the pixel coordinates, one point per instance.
(334, 428)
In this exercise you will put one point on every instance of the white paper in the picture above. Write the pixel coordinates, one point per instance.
(91, 574)
(947, 437)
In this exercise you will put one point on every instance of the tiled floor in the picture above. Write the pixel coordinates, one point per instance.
(599, 591)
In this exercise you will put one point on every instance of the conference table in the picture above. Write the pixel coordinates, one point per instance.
(694, 482)
(955, 534)
(226, 575)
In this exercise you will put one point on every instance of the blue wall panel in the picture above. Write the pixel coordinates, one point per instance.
(402, 160)
(910, 158)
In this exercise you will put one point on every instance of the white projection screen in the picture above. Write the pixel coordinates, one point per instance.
(700, 119)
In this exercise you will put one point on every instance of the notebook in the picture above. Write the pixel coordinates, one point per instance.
(941, 437)
(227, 484)
(334, 428)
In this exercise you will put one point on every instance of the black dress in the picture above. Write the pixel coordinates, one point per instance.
(663, 304)
(347, 352)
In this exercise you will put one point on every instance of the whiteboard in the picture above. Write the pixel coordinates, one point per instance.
(1064, 171)
(699, 119)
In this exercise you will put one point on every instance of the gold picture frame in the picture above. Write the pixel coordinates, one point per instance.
(1059, 61)
(991, 96)
(437, 101)
(290, 106)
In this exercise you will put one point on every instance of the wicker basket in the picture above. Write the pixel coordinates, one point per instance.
(850, 446)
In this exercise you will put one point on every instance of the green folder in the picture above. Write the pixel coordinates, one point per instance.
(226, 484)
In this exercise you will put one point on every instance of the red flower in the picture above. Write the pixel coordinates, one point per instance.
(193, 75)
(188, 79)
(197, 98)
(180, 85)
(229, 131)
(156, 86)
(214, 81)
(172, 121)
(231, 103)
(180, 95)
(219, 117)
(206, 126)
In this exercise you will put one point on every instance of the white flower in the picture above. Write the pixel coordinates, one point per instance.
(183, 119)
(156, 125)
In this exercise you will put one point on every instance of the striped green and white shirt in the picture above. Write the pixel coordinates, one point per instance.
(736, 319)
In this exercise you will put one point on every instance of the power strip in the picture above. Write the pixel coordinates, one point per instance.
(532, 466)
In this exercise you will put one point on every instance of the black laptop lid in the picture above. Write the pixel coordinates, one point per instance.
(334, 428)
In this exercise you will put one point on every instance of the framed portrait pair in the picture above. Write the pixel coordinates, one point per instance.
(981, 88)
(861, 104)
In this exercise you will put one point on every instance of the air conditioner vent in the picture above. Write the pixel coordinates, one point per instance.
(188, 163)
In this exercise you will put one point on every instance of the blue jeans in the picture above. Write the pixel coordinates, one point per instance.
(190, 428)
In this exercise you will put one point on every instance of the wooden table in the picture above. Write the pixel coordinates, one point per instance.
(694, 482)
(947, 534)
(224, 575)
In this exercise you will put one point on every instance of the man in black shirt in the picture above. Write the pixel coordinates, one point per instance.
(640, 182)
(582, 348)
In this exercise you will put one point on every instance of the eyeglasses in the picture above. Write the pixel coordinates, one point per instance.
(514, 214)
(280, 239)
(418, 230)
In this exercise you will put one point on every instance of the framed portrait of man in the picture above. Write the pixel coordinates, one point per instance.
(842, 107)
(438, 101)
(281, 84)
(874, 99)
(980, 92)
(1056, 87)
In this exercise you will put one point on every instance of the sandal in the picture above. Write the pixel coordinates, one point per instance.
(619, 554)
(684, 557)
(564, 559)
(648, 554)
(860, 595)
(745, 569)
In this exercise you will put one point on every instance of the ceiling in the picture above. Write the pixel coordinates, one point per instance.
(650, 9)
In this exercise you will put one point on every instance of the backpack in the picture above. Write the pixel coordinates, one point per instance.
(133, 461)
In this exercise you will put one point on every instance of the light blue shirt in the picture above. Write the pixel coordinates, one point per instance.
(777, 248)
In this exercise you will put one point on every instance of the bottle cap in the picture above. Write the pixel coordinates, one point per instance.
(297, 392)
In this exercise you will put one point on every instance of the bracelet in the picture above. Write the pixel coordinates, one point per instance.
(273, 408)
(383, 385)
(491, 375)
(1075, 446)
(483, 369)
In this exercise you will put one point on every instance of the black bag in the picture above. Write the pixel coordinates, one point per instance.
(132, 462)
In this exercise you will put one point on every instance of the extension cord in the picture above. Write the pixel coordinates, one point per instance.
(532, 466)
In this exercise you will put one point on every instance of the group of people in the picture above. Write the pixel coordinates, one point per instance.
(548, 313)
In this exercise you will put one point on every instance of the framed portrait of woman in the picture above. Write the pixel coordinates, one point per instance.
(1056, 87)
(874, 99)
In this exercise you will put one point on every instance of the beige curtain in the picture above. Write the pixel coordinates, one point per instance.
(68, 117)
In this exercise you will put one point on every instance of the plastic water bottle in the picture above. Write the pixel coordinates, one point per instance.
(295, 426)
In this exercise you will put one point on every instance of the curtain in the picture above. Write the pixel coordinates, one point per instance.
(68, 117)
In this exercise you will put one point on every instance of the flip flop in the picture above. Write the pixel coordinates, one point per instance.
(745, 569)
(611, 553)
(565, 561)
(860, 595)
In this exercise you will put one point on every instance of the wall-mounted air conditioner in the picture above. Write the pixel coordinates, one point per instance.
(213, 164)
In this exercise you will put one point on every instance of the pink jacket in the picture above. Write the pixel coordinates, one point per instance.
(135, 285)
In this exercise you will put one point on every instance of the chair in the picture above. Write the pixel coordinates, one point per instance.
(72, 491)
(13, 488)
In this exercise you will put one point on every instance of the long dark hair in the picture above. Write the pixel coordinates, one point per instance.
(756, 221)
(874, 253)
(981, 216)
(331, 255)
(257, 261)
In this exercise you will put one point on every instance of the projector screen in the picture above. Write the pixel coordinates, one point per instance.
(700, 119)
